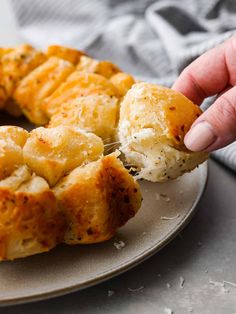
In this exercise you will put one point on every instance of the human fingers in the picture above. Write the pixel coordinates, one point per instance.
(216, 127)
(210, 73)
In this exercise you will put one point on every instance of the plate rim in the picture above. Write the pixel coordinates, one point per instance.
(123, 267)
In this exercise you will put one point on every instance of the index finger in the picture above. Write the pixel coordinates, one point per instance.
(210, 73)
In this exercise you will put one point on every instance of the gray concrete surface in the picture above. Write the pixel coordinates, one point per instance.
(187, 276)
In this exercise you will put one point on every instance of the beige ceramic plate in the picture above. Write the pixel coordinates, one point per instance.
(166, 208)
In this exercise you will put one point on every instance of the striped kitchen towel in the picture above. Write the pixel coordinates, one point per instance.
(153, 40)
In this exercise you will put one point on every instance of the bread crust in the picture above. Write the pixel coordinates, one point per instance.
(65, 53)
(122, 82)
(30, 222)
(97, 199)
(95, 113)
(78, 84)
(52, 153)
(39, 84)
(104, 68)
(12, 139)
(14, 65)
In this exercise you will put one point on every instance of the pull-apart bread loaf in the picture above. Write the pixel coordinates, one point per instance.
(56, 186)
(57, 183)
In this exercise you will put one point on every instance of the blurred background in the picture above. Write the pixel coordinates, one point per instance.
(152, 39)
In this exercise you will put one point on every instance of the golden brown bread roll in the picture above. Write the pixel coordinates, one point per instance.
(153, 122)
(30, 222)
(10, 157)
(78, 84)
(14, 65)
(39, 84)
(4, 51)
(52, 153)
(96, 113)
(122, 82)
(14, 133)
(66, 53)
(104, 68)
(97, 199)
(12, 140)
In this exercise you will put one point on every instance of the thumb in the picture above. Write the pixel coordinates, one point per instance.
(216, 127)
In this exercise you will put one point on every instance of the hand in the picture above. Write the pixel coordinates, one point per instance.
(212, 73)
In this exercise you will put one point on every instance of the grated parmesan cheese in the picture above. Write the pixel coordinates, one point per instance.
(136, 289)
(119, 245)
(170, 218)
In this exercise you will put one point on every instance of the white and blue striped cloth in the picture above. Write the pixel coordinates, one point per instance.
(153, 40)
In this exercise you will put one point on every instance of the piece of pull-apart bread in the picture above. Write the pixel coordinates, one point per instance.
(14, 65)
(66, 53)
(52, 153)
(39, 84)
(104, 68)
(78, 84)
(122, 82)
(12, 140)
(95, 113)
(152, 126)
(30, 222)
(97, 199)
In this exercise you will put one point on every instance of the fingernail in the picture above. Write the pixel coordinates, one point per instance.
(200, 137)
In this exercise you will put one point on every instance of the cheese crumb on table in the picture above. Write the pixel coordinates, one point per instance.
(170, 218)
(119, 244)
(136, 289)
